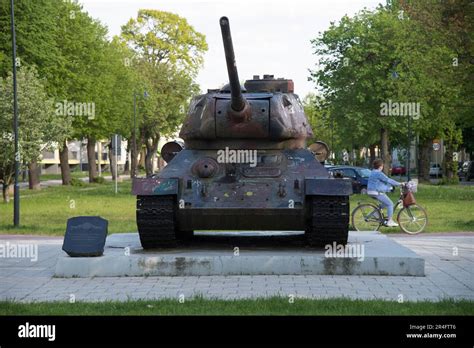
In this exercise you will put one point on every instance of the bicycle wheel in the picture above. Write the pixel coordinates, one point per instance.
(412, 219)
(366, 217)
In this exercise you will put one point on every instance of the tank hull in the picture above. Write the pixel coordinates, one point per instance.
(273, 192)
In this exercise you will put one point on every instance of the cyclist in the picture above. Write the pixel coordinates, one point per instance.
(378, 185)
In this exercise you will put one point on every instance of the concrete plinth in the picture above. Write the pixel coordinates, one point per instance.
(246, 253)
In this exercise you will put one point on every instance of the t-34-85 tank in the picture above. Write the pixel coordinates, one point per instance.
(244, 166)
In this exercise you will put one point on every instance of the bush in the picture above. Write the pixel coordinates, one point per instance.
(99, 180)
(77, 182)
(445, 181)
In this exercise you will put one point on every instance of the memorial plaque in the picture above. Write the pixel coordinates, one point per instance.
(85, 236)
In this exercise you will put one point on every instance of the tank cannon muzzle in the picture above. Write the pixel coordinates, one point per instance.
(239, 105)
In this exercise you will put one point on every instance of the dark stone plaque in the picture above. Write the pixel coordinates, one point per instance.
(85, 236)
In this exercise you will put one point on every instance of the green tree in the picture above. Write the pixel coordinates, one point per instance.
(95, 73)
(36, 30)
(168, 54)
(379, 57)
(324, 126)
(450, 24)
(79, 66)
(37, 42)
(39, 126)
(163, 112)
(161, 37)
(354, 77)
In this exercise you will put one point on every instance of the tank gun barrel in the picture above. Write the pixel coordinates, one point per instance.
(238, 100)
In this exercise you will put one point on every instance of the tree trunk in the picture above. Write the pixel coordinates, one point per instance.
(126, 167)
(112, 161)
(161, 163)
(7, 192)
(149, 160)
(64, 163)
(449, 165)
(91, 159)
(141, 160)
(135, 151)
(151, 149)
(34, 173)
(372, 154)
(424, 160)
(23, 174)
(385, 151)
(134, 161)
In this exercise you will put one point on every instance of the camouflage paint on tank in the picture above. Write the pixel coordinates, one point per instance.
(155, 186)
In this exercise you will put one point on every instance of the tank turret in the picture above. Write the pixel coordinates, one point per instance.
(265, 110)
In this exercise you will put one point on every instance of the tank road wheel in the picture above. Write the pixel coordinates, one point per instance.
(156, 221)
(328, 220)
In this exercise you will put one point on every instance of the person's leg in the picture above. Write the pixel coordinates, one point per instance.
(386, 203)
(375, 213)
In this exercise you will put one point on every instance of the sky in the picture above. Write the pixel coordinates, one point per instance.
(269, 36)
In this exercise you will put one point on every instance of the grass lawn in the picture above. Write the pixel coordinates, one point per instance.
(271, 306)
(74, 174)
(46, 211)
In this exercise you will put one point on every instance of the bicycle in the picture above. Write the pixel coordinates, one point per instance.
(412, 219)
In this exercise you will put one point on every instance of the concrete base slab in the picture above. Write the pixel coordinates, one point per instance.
(246, 253)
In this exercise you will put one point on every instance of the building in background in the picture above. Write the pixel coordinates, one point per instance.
(50, 163)
(78, 161)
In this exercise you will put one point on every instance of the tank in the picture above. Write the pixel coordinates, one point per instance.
(244, 165)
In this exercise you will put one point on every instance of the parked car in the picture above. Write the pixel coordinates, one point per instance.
(435, 170)
(461, 169)
(399, 170)
(468, 170)
(328, 165)
(358, 175)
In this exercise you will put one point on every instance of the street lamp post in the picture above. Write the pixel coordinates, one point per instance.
(16, 192)
(409, 148)
(134, 145)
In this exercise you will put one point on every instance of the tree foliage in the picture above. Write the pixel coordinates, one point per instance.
(79, 65)
(39, 126)
(168, 53)
(165, 38)
(399, 53)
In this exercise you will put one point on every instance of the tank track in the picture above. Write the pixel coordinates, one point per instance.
(328, 220)
(156, 221)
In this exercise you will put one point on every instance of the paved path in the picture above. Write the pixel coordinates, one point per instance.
(449, 273)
